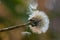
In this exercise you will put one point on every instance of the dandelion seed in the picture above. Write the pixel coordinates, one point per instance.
(39, 22)
(34, 6)
(25, 33)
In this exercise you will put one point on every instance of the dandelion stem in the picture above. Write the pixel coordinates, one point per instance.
(13, 27)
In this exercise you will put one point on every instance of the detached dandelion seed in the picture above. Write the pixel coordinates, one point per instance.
(25, 33)
(39, 22)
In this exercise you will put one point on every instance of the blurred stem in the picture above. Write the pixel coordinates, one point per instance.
(13, 27)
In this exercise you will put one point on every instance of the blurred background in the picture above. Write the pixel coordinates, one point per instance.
(14, 12)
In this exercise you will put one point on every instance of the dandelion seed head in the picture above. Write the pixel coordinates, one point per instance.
(42, 19)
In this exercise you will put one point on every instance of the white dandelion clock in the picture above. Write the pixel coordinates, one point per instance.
(39, 22)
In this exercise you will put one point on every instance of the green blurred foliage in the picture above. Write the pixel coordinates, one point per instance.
(18, 9)
(11, 4)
